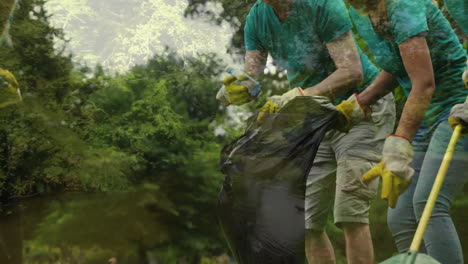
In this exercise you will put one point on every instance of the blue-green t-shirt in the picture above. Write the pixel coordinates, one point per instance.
(299, 43)
(408, 18)
(458, 9)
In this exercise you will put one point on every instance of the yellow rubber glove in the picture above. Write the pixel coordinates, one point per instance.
(282, 100)
(351, 113)
(276, 102)
(9, 89)
(237, 89)
(268, 108)
(392, 185)
(394, 169)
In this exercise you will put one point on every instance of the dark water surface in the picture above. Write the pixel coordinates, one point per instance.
(81, 228)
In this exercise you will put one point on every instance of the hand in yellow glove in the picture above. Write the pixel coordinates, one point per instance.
(238, 89)
(352, 112)
(459, 116)
(268, 108)
(9, 89)
(394, 169)
(276, 102)
(392, 185)
(459, 112)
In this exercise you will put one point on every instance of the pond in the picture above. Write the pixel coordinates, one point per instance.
(90, 228)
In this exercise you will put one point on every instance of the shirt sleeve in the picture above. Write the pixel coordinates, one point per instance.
(250, 36)
(332, 20)
(407, 18)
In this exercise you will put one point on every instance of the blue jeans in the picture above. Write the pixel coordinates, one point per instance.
(440, 239)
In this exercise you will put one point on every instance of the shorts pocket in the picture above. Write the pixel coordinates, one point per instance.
(384, 115)
(349, 175)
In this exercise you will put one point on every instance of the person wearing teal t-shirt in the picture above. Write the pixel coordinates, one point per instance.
(417, 49)
(313, 42)
(458, 9)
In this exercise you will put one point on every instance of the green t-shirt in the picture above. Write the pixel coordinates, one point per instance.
(458, 9)
(409, 18)
(299, 43)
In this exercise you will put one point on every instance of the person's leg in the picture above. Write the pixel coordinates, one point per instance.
(318, 202)
(357, 152)
(351, 211)
(359, 248)
(401, 220)
(319, 249)
(441, 238)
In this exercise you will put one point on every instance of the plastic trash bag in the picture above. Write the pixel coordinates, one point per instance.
(261, 203)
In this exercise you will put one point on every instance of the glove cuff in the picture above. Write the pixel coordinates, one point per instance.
(395, 135)
(397, 155)
(366, 110)
(356, 95)
(299, 89)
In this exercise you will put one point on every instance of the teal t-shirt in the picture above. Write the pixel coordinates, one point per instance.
(458, 9)
(299, 43)
(409, 18)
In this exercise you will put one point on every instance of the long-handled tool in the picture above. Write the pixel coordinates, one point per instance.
(412, 256)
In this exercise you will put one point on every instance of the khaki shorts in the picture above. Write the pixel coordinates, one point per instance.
(341, 160)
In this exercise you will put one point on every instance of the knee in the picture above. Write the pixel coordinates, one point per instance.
(400, 220)
(441, 207)
(357, 232)
(355, 228)
(313, 234)
(419, 205)
(393, 222)
(315, 231)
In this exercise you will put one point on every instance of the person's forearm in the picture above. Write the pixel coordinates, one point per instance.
(381, 86)
(417, 60)
(414, 111)
(255, 61)
(7, 6)
(336, 84)
(348, 73)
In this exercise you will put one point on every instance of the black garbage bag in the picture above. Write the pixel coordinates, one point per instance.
(261, 203)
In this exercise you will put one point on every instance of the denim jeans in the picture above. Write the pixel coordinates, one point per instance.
(440, 239)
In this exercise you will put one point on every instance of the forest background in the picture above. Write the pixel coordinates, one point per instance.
(97, 164)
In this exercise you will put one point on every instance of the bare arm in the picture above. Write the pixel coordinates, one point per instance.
(255, 61)
(381, 86)
(7, 6)
(348, 73)
(417, 60)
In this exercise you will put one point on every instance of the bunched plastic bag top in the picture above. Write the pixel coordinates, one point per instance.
(261, 202)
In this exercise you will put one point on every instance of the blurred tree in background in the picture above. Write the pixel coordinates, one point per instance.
(80, 129)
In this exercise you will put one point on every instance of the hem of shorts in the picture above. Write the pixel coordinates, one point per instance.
(351, 219)
(314, 227)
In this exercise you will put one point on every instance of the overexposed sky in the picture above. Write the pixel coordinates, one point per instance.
(121, 33)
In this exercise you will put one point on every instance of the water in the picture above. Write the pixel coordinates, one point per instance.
(90, 228)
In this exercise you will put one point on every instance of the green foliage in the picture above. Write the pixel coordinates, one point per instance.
(40, 153)
(166, 121)
(85, 130)
(42, 148)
